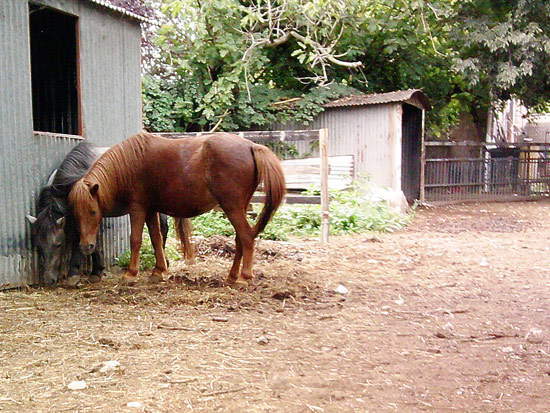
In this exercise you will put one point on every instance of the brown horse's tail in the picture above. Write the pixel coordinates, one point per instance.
(271, 174)
(183, 231)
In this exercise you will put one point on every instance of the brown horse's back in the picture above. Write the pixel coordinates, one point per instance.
(197, 174)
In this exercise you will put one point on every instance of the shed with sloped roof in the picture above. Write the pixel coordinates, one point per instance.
(384, 132)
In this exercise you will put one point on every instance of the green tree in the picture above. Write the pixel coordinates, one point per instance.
(233, 64)
(504, 47)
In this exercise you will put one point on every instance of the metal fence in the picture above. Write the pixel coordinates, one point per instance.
(511, 174)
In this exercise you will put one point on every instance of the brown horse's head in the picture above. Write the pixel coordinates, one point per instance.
(84, 201)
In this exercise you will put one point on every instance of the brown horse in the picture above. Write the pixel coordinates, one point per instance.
(147, 174)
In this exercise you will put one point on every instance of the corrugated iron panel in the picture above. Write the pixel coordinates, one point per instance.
(111, 106)
(364, 133)
(15, 123)
(111, 78)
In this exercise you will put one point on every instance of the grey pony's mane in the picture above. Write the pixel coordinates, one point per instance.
(52, 200)
(73, 167)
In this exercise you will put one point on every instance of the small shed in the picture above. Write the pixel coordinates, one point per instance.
(69, 70)
(384, 132)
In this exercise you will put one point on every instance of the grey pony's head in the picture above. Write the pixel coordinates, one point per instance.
(52, 225)
(49, 238)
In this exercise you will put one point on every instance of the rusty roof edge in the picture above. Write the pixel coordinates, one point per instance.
(121, 10)
(407, 96)
(421, 96)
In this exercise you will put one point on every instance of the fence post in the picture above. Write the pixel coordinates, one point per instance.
(325, 215)
(423, 159)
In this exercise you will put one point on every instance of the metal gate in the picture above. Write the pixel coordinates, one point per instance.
(487, 173)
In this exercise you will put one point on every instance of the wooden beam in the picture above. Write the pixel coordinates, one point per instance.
(291, 199)
(423, 159)
(325, 215)
(257, 136)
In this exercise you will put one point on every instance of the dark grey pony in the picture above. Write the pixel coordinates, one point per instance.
(54, 232)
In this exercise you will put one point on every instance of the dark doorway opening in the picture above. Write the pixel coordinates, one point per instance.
(411, 148)
(54, 71)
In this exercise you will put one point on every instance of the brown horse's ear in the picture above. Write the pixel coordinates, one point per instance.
(93, 189)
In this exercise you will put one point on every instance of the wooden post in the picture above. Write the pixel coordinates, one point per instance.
(325, 216)
(423, 159)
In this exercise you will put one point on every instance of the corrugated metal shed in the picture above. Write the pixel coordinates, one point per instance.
(109, 80)
(372, 128)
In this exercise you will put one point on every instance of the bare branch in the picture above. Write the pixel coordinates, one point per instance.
(330, 57)
(218, 123)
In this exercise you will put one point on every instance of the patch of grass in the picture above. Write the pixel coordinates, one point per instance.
(147, 254)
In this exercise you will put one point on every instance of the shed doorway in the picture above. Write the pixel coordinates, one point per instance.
(54, 71)
(411, 147)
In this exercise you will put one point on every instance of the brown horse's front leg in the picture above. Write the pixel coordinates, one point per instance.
(153, 224)
(137, 219)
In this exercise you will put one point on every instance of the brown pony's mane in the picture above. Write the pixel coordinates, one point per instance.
(114, 171)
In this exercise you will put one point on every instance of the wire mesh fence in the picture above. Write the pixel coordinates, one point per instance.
(523, 173)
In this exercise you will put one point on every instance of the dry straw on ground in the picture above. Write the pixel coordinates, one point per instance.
(421, 326)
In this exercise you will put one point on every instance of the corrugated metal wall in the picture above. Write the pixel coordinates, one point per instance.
(364, 132)
(111, 111)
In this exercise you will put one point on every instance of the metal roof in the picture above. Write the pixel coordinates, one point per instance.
(121, 10)
(413, 96)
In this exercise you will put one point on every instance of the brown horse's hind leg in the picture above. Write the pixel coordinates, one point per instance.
(234, 271)
(137, 219)
(245, 236)
(153, 224)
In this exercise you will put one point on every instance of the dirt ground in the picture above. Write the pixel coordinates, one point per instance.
(451, 314)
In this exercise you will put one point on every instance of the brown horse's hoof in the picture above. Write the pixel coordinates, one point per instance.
(239, 284)
(128, 278)
(246, 276)
(157, 276)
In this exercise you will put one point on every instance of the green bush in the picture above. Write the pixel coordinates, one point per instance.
(350, 212)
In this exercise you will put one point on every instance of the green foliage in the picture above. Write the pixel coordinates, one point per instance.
(147, 254)
(222, 72)
(212, 223)
(350, 212)
(504, 47)
(233, 64)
